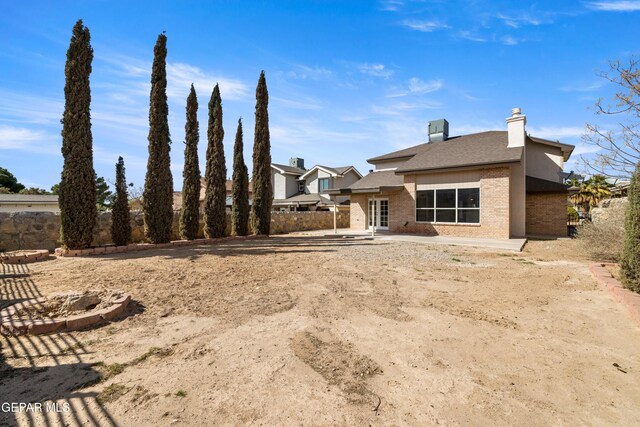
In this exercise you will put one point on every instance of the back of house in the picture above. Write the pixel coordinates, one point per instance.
(494, 184)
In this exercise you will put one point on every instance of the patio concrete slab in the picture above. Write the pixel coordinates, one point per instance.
(515, 245)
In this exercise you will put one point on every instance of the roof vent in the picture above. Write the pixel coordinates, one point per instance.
(438, 130)
(296, 162)
(516, 111)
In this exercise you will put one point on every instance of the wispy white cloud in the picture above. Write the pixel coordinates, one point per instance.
(180, 76)
(376, 70)
(391, 5)
(25, 139)
(557, 132)
(473, 36)
(517, 21)
(416, 86)
(299, 104)
(305, 72)
(587, 87)
(615, 5)
(424, 26)
(509, 40)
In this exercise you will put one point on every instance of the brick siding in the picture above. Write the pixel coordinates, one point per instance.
(547, 214)
(494, 209)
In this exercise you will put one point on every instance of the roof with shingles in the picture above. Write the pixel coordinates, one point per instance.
(478, 149)
(377, 179)
(289, 169)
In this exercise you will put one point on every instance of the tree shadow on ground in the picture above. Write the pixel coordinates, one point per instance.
(46, 370)
(251, 246)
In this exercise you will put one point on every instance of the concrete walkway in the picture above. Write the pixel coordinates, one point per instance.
(515, 245)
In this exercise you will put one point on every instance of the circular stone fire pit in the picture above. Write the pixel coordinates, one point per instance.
(69, 311)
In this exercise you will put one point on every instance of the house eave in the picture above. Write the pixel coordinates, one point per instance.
(456, 168)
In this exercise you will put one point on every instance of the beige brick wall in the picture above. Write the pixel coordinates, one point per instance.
(358, 212)
(547, 214)
(494, 211)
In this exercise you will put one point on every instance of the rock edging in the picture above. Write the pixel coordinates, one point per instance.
(627, 298)
(12, 327)
(24, 257)
(111, 249)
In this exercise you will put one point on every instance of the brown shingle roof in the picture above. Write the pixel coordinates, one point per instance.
(400, 154)
(476, 149)
(374, 182)
(289, 169)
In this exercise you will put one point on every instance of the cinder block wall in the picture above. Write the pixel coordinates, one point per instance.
(41, 230)
(547, 214)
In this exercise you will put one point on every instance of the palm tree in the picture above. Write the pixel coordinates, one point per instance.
(592, 191)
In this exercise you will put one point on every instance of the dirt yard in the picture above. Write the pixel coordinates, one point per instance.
(301, 330)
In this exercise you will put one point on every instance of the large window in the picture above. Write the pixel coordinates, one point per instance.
(460, 205)
(323, 185)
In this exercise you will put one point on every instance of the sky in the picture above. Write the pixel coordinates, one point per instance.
(347, 80)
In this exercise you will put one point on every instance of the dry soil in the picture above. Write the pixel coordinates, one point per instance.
(302, 330)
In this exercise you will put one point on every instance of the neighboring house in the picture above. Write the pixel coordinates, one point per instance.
(29, 203)
(296, 188)
(177, 195)
(495, 184)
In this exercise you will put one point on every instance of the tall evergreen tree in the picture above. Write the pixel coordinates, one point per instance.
(77, 196)
(215, 198)
(120, 217)
(240, 189)
(262, 186)
(157, 200)
(630, 262)
(189, 216)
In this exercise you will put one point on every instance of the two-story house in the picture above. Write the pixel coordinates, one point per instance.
(300, 189)
(497, 184)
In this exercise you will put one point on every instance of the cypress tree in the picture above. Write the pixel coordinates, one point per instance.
(215, 214)
(262, 186)
(240, 188)
(157, 199)
(189, 216)
(77, 194)
(120, 218)
(630, 262)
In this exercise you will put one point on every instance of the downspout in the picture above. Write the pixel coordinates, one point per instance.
(373, 219)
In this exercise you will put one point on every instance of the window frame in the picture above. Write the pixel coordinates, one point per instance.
(320, 190)
(456, 209)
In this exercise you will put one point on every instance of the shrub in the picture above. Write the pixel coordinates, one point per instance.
(630, 262)
(603, 239)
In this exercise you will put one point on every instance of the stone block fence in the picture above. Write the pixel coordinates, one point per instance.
(41, 230)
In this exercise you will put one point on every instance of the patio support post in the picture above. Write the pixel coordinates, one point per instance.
(335, 218)
(373, 219)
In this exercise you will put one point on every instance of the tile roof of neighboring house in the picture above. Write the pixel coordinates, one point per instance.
(288, 169)
(476, 149)
(28, 198)
(539, 185)
(303, 199)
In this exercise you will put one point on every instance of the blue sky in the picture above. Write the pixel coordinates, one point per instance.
(348, 80)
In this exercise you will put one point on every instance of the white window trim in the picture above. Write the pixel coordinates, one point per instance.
(435, 206)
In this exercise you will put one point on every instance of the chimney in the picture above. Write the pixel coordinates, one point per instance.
(438, 130)
(515, 127)
(296, 162)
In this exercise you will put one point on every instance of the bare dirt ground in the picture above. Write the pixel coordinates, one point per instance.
(301, 330)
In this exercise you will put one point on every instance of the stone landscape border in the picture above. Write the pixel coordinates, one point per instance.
(13, 327)
(629, 299)
(24, 258)
(112, 249)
